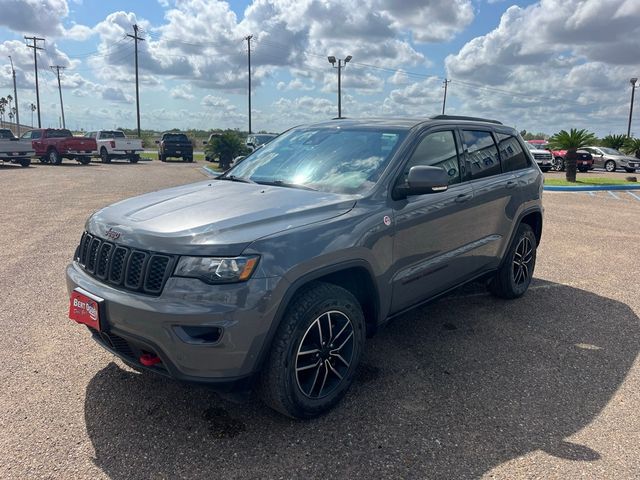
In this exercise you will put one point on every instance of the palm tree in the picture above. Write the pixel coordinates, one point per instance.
(225, 147)
(3, 106)
(614, 141)
(571, 141)
(632, 147)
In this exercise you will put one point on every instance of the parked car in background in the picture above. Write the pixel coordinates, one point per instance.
(542, 157)
(112, 144)
(51, 145)
(14, 150)
(257, 140)
(611, 159)
(175, 145)
(334, 229)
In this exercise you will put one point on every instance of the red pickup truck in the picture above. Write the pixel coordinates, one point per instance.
(52, 145)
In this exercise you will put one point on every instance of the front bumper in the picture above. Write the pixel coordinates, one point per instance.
(134, 324)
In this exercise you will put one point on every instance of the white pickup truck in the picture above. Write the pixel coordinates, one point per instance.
(115, 144)
(14, 150)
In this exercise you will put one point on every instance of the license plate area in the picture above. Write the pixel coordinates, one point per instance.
(86, 308)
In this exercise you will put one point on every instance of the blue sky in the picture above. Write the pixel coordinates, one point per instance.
(540, 66)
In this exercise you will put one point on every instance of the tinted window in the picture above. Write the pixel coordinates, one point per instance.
(26, 135)
(6, 134)
(438, 150)
(482, 154)
(58, 134)
(36, 134)
(111, 134)
(175, 137)
(512, 155)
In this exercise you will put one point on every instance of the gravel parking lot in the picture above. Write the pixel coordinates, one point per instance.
(547, 386)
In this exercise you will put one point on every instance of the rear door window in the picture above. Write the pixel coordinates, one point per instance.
(482, 154)
(512, 155)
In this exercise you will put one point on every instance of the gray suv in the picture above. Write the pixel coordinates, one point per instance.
(274, 273)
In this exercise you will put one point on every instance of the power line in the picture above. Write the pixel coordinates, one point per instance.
(35, 47)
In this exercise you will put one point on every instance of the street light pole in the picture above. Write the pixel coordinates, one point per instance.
(341, 65)
(633, 91)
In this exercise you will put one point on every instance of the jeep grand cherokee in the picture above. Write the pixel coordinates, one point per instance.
(274, 273)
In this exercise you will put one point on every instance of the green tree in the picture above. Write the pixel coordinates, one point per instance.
(3, 109)
(226, 147)
(571, 141)
(614, 141)
(632, 147)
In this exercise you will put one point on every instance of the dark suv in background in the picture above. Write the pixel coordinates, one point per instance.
(175, 145)
(326, 233)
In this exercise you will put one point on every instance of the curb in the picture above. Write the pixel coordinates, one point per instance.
(587, 188)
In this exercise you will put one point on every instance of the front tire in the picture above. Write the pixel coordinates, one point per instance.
(514, 275)
(610, 166)
(315, 352)
(630, 170)
(25, 162)
(104, 156)
(84, 160)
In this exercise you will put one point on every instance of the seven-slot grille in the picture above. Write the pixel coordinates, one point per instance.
(542, 156)
(124, 267)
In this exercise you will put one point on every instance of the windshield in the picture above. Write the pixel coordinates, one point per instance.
(6, 134)
(610, 151)
(337, 160)
(260, 139)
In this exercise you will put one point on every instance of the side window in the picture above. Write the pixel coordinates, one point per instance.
(482, 154)
(438, 150)
(512, 155)
(36, 134)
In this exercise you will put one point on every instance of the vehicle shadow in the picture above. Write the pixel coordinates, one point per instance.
(450, 390)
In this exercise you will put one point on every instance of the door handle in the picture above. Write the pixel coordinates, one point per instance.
(512, 184)
(463, 197)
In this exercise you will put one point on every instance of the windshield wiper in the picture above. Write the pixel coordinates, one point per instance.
(233, 178)
(282, 183)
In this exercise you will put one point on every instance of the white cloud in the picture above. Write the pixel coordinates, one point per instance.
(182, 92)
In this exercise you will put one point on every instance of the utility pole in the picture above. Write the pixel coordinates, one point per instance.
(136, 39)
(633, 91)
(35, 47)
(57, 68)
(248, 39)
(15, 96)
(444, 100)
(341, 65)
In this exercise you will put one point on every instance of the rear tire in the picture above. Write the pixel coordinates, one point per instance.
(54, 157)
(25, 162)
(514, 275)
(583, 170)
(315, 352)
(134, 159)
(84, 160)
(545, 169)
(163, 158)
(187, 159)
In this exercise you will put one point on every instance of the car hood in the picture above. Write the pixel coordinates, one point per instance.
(213, 217)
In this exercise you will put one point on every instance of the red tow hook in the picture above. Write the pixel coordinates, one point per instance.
(149, 360)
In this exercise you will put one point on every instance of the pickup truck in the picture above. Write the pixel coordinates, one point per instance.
(113, 144)
(14, 150)
(52, 145)
(175, 145)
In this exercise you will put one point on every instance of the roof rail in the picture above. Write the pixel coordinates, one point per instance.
(471, 119)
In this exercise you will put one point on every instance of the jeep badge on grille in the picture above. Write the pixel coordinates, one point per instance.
(113, 234)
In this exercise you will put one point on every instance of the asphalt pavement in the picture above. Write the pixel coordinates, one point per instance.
(547, 386)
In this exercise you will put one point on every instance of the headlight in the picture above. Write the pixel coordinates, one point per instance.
(217, 270)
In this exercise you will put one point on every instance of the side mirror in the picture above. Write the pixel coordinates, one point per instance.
(422, 180)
